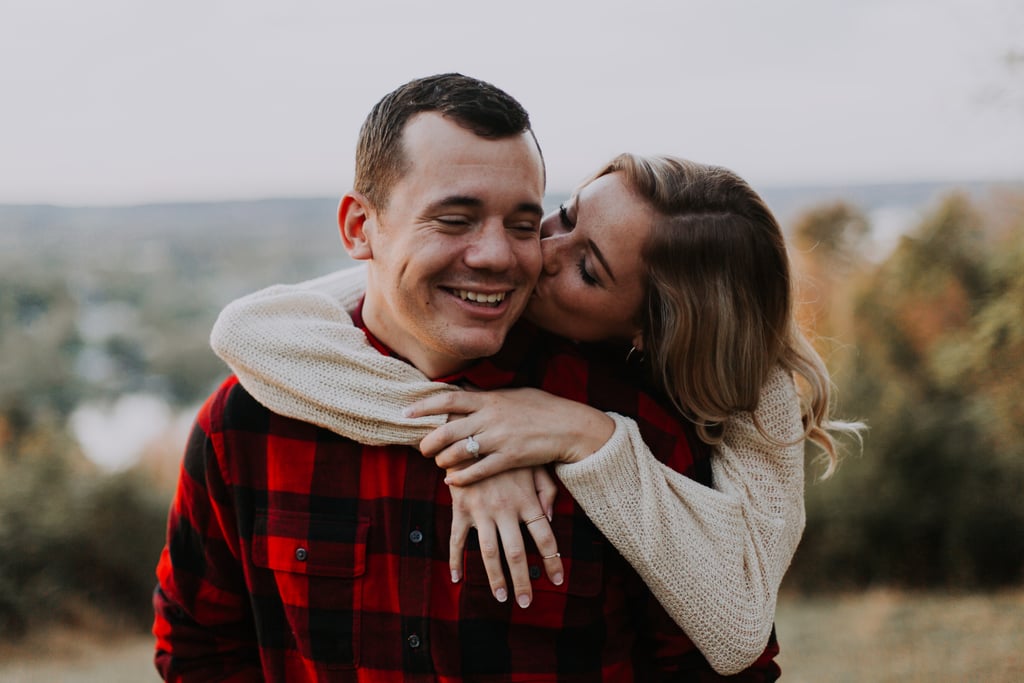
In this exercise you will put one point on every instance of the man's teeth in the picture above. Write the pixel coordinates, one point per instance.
(479, 297)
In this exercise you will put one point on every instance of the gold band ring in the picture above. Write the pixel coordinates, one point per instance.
(535, 519)
(550, 557)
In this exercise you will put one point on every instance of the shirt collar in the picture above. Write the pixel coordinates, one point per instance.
(489, 373)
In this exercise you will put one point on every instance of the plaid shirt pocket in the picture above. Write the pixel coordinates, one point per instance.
(316, 561)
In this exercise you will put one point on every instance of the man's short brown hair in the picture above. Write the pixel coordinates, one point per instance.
(477, 106)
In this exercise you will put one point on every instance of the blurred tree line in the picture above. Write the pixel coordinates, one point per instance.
(925, 345)
(97, 303)
(928, 348)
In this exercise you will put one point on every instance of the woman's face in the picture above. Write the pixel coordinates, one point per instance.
(592, 284)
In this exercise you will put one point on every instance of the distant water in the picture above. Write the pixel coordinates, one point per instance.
(115, 435)
(888, 224)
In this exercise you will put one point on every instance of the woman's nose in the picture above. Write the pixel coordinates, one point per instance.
(552, 252)
(551, 225)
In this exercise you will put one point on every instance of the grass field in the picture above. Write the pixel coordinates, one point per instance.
(874, 637)
(886, 636)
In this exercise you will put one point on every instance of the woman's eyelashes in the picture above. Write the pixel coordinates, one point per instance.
(588, 279)
(581, 264)
(563, 215)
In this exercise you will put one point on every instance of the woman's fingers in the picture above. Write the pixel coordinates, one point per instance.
(540, 529)
(440, 404)
(461, 525)
(449, 436)
(498, 507)
(515, 556)
(490, 551)
(477, 462)
(460, 452)
(547, 490)
(473, 473)
(547, 546)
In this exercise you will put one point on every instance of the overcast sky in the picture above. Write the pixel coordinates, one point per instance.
(127, 101)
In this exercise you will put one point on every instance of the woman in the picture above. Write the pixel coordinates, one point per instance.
(677, 261)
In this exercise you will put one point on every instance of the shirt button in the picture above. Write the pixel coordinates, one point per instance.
(534, 571)
(300, 554)
(416, 536)
(414, 641)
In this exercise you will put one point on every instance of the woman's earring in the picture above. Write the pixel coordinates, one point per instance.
(635, 355)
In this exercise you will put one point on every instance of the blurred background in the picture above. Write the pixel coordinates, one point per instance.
(158, 161)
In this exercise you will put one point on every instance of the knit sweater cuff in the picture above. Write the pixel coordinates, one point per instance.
(624, 470)
(294, 348)
(611, 470)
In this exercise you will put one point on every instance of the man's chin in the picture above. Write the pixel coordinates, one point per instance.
(483, 345)
(534, 313)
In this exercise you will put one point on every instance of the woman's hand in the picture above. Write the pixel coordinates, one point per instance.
(514, 428)
(496, 506)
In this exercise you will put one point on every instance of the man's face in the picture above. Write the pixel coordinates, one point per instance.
(456, 252)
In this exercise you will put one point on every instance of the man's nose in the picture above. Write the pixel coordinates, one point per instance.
(492, 248)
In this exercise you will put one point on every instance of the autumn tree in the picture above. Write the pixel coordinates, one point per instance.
(938, 495)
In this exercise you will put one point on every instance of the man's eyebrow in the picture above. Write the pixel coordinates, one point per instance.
(530, 207)
(455, 200)
(467, 201)
(600, 257)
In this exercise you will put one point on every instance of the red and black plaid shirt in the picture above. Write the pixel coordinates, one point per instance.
(294, 554)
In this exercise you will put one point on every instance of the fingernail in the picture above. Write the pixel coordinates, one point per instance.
(557, 579)
(551, 516)
(501, 595)
(407, 412)
(455, 576)
(524, 601)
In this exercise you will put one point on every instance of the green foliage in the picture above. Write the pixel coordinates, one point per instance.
(836, 228)
(73, 540)
(38, 337)
(938, 496)
(94, 304)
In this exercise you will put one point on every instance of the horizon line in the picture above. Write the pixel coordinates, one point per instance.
(761, 188)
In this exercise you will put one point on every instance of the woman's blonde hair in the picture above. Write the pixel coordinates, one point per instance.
(719, 310)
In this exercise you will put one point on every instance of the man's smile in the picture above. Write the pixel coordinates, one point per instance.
(485, 298)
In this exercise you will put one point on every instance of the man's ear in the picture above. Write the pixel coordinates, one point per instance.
(354, 213)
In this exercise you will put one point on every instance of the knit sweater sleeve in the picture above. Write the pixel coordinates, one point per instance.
(713, 557)
(295, 349)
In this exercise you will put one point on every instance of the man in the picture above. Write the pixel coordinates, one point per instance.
(294, 554)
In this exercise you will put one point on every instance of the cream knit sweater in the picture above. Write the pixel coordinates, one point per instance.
(713, 557)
